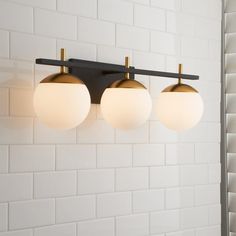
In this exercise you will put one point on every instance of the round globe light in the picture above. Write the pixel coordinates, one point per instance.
(126, 104)
(179, 107)
(61, 101)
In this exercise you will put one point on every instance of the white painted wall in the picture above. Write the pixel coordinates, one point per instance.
(94, 180)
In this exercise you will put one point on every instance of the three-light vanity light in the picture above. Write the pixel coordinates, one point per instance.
(62, 100)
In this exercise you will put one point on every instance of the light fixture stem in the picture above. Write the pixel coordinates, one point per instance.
(63, 68)
(127, 66)
(180, 72)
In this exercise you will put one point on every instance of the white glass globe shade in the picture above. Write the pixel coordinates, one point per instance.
(179, 111)
(61, 105)
(126, 108)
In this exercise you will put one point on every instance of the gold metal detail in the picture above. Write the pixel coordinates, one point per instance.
(127, 65)
(62, 77)
(180, 72)
(127, 82)
(63, 68)
(124, 83)
(179, 87)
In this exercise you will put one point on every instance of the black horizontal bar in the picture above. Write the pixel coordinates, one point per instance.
(112, 68)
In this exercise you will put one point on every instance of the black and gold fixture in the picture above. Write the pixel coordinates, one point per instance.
(126, 103)
(179, 106)
(63, 100)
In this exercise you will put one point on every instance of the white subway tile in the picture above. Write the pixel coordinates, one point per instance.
(3, 217)
(28, 158)
(212, 231)
(164, 221)
(56, 230)
(148, 17)
(77, 50)
(4, 155)
(149, 61)
(75, 209)
(194, 217)
(214, 50)
(215, 215)
(78, 7)
(132, 38)
(16, 74)
(75, 157)
(132, 225)
(94, 31)
(100, 227)
(171, 22)
(179, 197)
(207, 152)
(211, 112)
(189, 174)
(113, 55)
(207, 195)
(215, 173)
(138, 135)
(131, 178)
(48, 4)
(148, 154)
(195, 7)
(117, 11)
(179, 153)
(16, 130)
(160, 134)
(4, 44)
(200, 49)
(114, 155)
(113, 204)
(54, 184)
(203, 132)
(45, 135)
(185, 24)
(164, 43)
(208, 29)
(10, 14)
(21, 102)
(57, 24)
(95, 181)
(88, 132)
(16, 187)
(36, 213)
(166, 176)
(4, 101)
(170, 4)
(37, 47)
(182, 233)
(150, 200)
(28, 232)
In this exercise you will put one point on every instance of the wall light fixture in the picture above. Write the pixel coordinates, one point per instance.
(126, 103)
(62, 100)
(179, 106)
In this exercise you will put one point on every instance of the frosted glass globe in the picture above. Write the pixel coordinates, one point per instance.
(126, 108)
(179, 110)
(61, 105)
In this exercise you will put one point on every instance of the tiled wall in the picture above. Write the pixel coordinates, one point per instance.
(94, 180)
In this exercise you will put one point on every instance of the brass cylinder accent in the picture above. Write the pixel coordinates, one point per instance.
(180, 72)
(63, 76)
(62, 56)
(127, 65)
